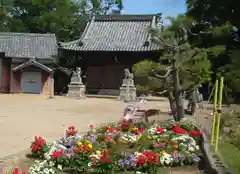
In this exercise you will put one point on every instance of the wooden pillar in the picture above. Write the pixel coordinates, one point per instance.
(52, 85)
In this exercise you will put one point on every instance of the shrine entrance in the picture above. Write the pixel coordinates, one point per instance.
(105, 80)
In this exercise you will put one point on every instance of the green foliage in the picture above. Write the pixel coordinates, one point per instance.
(196, 69)
(65, 18)
(193, 63)
(144, 78)
(230, 136)
(232, 71)
(231, 156)
(217, 30)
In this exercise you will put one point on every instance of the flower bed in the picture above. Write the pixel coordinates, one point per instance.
(119, 147)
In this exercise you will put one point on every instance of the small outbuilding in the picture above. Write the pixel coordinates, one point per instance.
(26, 61)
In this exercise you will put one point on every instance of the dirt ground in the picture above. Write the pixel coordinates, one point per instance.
(24, 116)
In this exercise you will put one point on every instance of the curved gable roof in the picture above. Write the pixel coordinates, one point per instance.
(116, 33)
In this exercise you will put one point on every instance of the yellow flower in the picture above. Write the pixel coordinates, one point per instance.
(108, 126)
(79, 143)
(140, 135)
(90, 146)
(98, 152)
(135, 129)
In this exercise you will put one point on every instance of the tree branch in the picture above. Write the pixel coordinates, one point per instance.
(165, 75)
(162, 92)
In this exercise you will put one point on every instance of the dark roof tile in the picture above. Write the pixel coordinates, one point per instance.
(28, 45)
(116, 33)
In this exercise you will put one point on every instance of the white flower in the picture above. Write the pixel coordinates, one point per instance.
(89, 164)
(42, 167)
(166, 158)
(130, 138)
(51, 164)
(59, 167)
(137, 154)
(191, 149)
(140, 172)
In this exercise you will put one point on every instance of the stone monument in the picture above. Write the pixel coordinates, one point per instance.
(76, 88)
(128, 89)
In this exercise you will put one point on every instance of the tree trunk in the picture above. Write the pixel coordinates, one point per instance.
(177, 93)
(193, 102)
(172, 104)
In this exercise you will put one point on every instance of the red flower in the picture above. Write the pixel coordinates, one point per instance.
(40, 141)
(124, 124)
(175, 146)
(110, 130)
(152, 156)
(160, 130)
(106, 159)
(177, 129)
(74, 149)
(141, 159)
(16, 171)
(147, 156)
(141, 129)
(195, 133)
(57, 153)
(105, 156)
(108, 138)
(91, 126)
(34, 146)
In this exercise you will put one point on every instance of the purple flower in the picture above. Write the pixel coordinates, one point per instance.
(196, 159)
(176, 157)
(93, 138)
(78, 137)
(127, 161)
(121, 163)
(132, 160)
(132, 157)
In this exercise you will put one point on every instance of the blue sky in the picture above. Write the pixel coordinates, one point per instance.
(166, 7)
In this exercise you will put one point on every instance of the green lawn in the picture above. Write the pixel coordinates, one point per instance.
(231, 155)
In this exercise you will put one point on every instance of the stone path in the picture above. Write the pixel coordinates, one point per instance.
(205, 120)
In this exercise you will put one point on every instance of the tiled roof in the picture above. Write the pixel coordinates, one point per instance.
(28, 45)
(116, 33)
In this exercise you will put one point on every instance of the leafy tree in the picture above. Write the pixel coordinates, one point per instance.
(186, 66)
(61, 17)
(104, 6)
(5, 6)
(145, 82)
(65, 18)
(218, 28)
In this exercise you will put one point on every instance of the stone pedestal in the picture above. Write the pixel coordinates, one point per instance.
(76, 91)
(128, 82)
(128, 89)
(127, 93)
